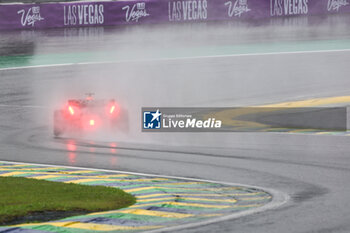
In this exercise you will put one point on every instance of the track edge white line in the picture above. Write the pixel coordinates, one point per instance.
(178, 58)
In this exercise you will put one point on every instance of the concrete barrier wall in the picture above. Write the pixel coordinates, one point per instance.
(78, 14)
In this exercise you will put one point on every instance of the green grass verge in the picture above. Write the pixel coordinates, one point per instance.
(22, 197)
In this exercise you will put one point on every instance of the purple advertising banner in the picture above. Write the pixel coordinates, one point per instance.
(78, 14)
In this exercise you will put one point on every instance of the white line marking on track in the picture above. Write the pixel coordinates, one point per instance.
(278, 198)
(21, 106)
(175, 59)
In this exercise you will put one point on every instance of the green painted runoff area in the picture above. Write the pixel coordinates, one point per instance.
(173, 53)
(22, 196)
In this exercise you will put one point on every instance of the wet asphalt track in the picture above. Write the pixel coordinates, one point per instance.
(314, 170)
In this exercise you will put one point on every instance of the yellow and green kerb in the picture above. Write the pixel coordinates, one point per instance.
(161, 202)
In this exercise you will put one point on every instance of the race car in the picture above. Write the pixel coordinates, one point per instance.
(86, 115)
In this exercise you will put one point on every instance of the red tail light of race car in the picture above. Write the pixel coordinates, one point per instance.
(71, 110)
(92, 122)
(113, 109)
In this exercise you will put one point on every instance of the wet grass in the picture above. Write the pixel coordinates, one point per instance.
(21, 198)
